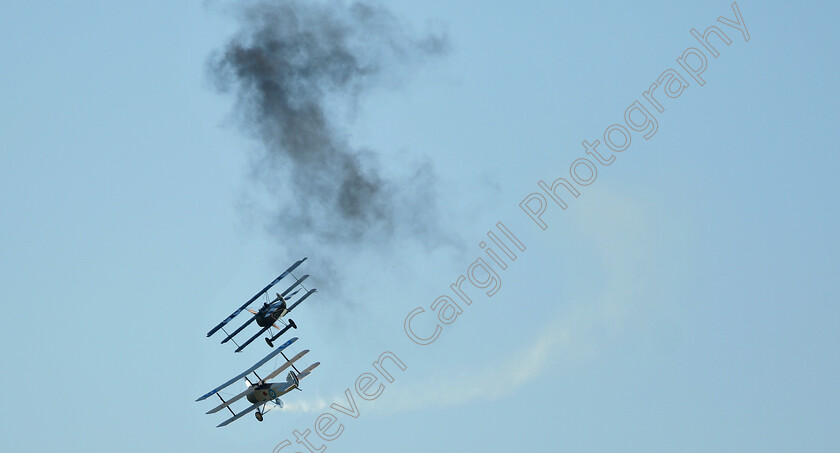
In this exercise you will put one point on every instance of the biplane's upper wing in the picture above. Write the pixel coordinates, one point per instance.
(285, 365)
(239, 415)
(265, 359)
(239, 310)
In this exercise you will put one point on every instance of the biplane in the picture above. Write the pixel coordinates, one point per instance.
(262, 393)
(270, 314)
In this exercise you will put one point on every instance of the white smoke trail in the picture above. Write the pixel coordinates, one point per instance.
(626, 252)
(311, 405)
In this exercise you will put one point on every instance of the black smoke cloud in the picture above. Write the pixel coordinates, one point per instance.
(294, 66)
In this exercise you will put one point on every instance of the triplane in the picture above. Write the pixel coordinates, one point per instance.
(271, 312)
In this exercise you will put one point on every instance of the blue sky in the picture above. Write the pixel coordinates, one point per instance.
(682, 302)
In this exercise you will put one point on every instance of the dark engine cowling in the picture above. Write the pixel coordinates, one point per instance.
(267, 317)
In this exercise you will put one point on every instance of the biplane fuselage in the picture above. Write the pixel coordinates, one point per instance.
(269, 391)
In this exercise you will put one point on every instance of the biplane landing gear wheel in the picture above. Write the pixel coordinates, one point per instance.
(258, 414)
(270, 343)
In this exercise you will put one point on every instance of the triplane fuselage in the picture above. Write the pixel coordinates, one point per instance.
(271, 313)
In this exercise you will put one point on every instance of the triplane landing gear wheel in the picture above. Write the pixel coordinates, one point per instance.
(258, 415)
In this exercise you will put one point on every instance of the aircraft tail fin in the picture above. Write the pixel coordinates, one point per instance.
(292, 378)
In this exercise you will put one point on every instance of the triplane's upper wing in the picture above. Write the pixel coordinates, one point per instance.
(264, 290)
(265, 359)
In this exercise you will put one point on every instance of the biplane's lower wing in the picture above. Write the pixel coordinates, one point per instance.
(265, 359)
(229, 402)
(239, 415)
(256, 296)
(308, 370)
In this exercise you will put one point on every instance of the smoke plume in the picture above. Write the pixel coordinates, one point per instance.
(293, 66)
